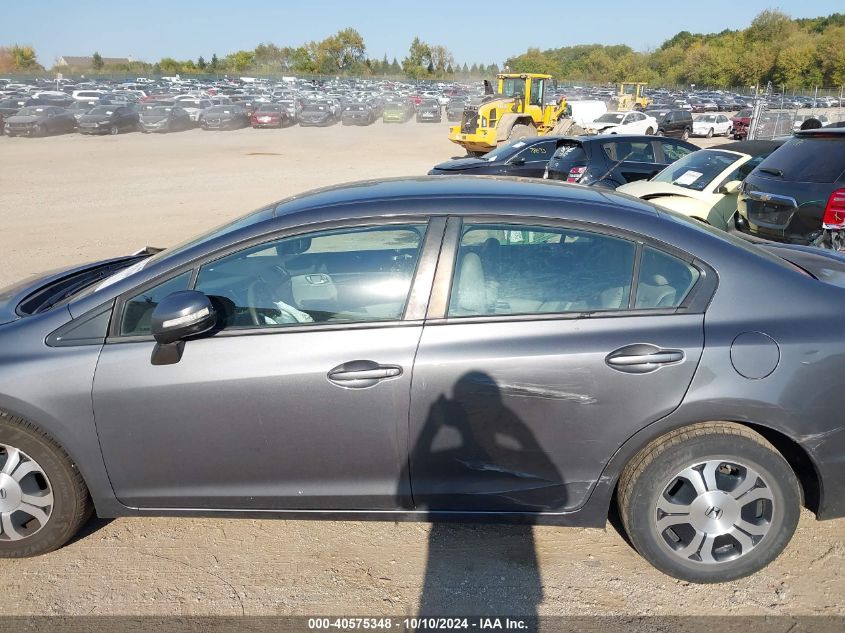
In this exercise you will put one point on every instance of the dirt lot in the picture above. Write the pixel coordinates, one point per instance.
(71, 199)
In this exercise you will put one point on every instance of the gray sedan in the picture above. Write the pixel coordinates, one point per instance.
(433, 349)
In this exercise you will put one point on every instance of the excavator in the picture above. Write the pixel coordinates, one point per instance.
(518, 109)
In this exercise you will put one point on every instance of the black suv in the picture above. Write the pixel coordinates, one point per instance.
(674, 123)
(611, 160)
(797, 194)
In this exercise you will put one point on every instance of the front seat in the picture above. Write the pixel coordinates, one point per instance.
(470, 296)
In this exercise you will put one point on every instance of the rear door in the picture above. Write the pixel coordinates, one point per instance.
(638, 156)
(546, 347)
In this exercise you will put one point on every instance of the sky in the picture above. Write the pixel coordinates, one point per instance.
(483, 31)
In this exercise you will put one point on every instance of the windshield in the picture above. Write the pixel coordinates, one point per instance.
(219, 110)
(102, 110)
(706, 119)
(158, 111)
(503, 152)
(513, 86)
(697, 170)
(32, 111)
(313, 107)
(611, 117)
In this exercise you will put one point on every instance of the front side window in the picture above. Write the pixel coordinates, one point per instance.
(138, 311)
(538, 152)
(514, 269)
(350, 275)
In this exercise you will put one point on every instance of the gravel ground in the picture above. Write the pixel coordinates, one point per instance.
(70, 199)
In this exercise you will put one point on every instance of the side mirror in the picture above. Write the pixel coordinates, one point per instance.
(180, 315)
(518, 162)
(730, 187)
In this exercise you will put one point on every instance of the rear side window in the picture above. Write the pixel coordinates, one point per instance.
(639, 151)
(673, 151)
(804, 159)
(664, 280)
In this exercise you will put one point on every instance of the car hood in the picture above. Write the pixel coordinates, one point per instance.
(47, 287)
(94, 118)
(595, 125)
(825, 265)
(22, 119)
(648, 190)
(153, 119)
(461, 164)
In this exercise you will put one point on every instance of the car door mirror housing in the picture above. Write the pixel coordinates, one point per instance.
(730, 187)
(180, 315)
(518, 162)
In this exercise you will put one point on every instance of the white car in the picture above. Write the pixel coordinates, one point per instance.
(704, 185)
(710, 125)
(624, 123)
(87, 95)
(194, 107)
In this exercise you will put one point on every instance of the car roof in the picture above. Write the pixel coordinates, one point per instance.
(824, 132)
(451, 187)
(752, 148)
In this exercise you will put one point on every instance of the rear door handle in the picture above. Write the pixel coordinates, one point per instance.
(642, 358)
(362, 373)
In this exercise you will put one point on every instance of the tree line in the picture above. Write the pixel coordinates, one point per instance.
(794, 53)
(343, 53)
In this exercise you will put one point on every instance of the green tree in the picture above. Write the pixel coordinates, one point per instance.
(214, 64)
(97, 61)
(416, 64)
(201, 63)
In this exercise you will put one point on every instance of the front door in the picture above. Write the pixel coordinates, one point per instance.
(300, 401)
(545, 365)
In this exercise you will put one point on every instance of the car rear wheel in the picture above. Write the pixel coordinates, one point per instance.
(114, 130)
(710, 133)
(685, 135)
(649, 131)
(43, 500)
(708, 503)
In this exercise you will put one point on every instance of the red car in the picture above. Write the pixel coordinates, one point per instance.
(741, 122)
(269, 115)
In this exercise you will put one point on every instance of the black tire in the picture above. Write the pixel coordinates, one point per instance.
(685, 135)
(710, 133)
(654, 471)
(649, 131)
(114, 130)
(522, 130)
(71, 503)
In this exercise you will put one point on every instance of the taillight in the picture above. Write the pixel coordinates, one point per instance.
(834, 213)
(575, 174)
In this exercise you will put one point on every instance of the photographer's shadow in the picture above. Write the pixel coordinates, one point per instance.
(474, 453)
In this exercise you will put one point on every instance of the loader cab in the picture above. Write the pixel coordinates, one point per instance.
(527, 86)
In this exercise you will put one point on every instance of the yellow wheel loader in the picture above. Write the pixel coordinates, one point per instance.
(516, 110)
(631, 97)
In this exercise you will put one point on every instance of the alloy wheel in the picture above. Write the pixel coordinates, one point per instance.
(26, 496)
(714, 511)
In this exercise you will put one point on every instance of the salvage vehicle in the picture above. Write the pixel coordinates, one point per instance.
(672, 123)
(108, 119)
(429, 111)
(518, 109)
(315, 114)
(797, 194)
(705, 184)
(195, 107)
(455, 109)
(631, 96)
(608, 161)
(740, 123)
(78, 108)
(164, 118)
(9, 107)
(526, 157)
(224, 117)
(624, 123)
(39, 121)
(522, 313)
(270, 115)
(395, 112)
(358, 114)
(710, 125)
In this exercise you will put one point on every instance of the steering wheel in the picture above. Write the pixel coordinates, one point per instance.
(258, 290)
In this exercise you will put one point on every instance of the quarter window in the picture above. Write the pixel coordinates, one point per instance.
(510, 269)
(664, 281)
(351, 275)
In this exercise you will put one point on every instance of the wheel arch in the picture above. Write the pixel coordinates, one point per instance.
(800, 460)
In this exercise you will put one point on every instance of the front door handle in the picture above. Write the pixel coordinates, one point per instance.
(362, 373)
(642, 358)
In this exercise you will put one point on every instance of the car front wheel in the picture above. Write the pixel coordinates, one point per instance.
(709, 503)
(43, 500)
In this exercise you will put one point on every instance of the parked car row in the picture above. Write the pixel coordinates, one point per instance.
(789, 190)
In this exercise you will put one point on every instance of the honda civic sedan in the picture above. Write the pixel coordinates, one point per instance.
(438, 348)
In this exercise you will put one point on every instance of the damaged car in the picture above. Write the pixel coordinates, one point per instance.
(570, 349)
